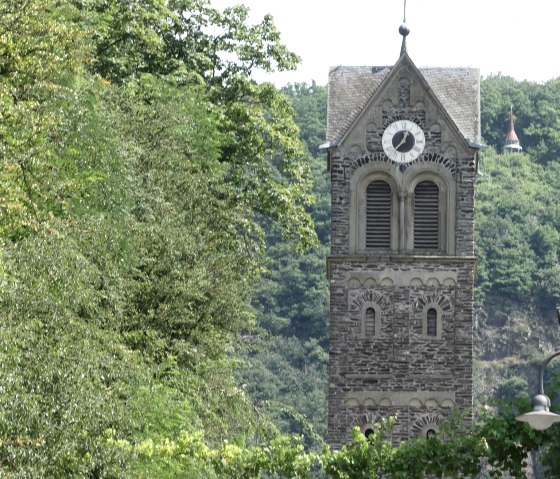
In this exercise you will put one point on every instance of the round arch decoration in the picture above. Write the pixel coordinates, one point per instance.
(427, 424)
(366, 422)
(402, 180)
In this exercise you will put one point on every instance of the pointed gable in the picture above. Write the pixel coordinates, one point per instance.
(352, 89)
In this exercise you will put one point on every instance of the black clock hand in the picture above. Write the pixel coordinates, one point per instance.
(403, 141)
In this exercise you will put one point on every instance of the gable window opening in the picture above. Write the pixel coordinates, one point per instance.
(378, 215)
(426, 216)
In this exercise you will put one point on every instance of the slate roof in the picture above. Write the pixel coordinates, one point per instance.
(351, 88)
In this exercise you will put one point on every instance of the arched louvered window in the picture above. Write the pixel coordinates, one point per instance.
(378, 215)
(369, 323)
(426, 216)
(431, 322)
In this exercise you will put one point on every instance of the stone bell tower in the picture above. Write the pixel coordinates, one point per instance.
(403, 145)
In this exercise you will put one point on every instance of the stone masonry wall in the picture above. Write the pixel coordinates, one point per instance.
(400, 372)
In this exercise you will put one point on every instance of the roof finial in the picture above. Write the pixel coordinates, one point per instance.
(404, 31)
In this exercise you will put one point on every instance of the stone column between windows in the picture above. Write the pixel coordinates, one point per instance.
(402, 211)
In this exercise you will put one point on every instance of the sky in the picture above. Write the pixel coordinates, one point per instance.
(517, 38)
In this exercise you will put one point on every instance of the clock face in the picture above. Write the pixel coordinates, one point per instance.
(403, 141)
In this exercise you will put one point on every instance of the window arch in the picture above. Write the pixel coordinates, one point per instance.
(378, 215)
(426, 216)
(371, 321)
(374, 220)
(432, 322)
(413, 211)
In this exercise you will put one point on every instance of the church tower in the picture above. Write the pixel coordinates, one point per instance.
(403, 145)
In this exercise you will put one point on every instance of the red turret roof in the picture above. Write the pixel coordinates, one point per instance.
(511, 137)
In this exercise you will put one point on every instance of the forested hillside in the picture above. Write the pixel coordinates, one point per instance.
(164, 224)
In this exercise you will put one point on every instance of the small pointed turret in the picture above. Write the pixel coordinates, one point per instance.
(511, 143)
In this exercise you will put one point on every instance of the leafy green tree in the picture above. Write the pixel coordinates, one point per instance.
(40, 51)
(219, 51)
(192, 248)
(286, 365)
(119, 288)
(127, 260)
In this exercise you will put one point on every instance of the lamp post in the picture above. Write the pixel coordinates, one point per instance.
(540, 417)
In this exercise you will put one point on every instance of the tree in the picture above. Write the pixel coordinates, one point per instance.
(40, 51)
(286, 366)
(127, 260)
(260, 145)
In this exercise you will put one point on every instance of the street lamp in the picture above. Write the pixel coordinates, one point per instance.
(540, 417)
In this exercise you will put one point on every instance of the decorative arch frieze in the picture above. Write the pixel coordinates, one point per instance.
(426, 400)
(375, 158)
(438, 300)
(434, 307)
(365, 298)
(426, 424)
(410, 277)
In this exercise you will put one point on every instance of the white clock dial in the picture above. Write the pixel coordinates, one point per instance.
(403, 141)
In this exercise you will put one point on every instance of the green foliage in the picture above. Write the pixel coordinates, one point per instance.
(129, 238)
(510, 441)
(187, 232)
(310, 104)
(290, 372)
(287, 360)
(218, 51)
(129, 265)
(363, 458)
(498, 445)
(40, 51)
(517, 227)
(511, 388)
(64, 383)
(184, 37)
